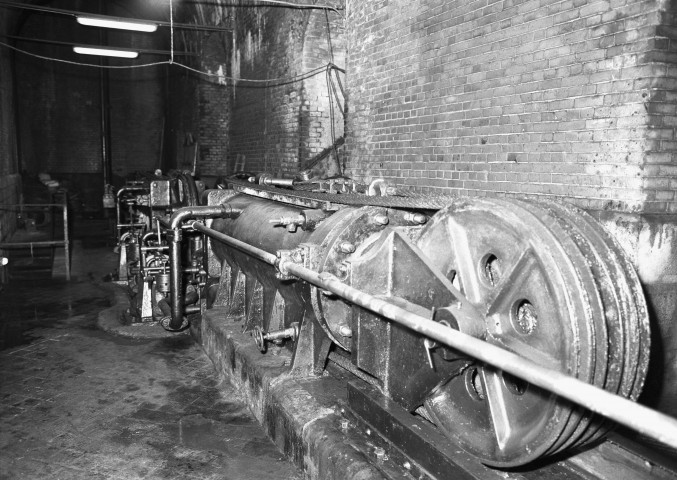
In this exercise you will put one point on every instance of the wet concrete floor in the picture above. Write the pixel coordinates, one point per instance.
(76, 402)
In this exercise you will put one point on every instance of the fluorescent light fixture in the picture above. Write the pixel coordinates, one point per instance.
(106, 52)
(120, 24)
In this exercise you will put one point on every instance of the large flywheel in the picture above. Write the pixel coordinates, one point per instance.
(547, 283)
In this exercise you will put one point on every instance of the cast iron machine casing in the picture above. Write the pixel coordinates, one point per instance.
(541, 280)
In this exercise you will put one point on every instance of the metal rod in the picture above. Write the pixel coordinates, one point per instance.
(23, 205)
(155, 249)
(649, 422)
(267, 257)
(46, 243)
(66, 238)
(121, 225)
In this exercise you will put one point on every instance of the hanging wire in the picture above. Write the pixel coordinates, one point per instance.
(331, 88)
(270, 82)
(303, 6)
(71, 62)
(171, 33)
(331, 47)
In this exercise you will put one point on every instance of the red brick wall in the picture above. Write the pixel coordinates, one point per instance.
(572, 99)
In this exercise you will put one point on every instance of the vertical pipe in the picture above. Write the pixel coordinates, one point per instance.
(104, 87)
(104, 91)
(175, 279)
(174, 237)
(66, 238)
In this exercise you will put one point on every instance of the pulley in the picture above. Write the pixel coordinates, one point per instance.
(550, 286)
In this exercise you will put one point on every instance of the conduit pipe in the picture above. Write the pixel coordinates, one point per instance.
(651, 423)
(118, 214)
(174, 236)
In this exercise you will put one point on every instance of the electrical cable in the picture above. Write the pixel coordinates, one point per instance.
(75, 13)
(82, 64)
(338, 100)
(171, 32)
(331, 47)
(338, 79)
(331, 121)
(300, 6)
(271, 82)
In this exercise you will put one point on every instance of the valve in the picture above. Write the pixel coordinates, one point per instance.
(261, 337)
(292, 223)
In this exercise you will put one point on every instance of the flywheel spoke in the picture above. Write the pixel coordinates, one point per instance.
(503, 409)
(514, 282)
(525, 349)
(469, 280)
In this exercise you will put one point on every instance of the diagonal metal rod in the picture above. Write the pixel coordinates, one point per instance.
(645, 420)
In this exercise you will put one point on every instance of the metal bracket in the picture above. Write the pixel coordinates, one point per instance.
(284, 257)
(306, 254)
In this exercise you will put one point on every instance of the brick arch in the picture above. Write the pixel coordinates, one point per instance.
(315, 112)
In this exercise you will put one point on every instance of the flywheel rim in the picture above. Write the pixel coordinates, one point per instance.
(580, 363)
(626, 316)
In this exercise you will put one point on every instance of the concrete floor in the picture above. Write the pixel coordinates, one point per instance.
(76, 402)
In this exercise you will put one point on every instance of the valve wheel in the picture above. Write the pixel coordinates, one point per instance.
(258, 334)
(551, 288)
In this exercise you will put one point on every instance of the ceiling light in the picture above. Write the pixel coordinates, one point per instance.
(106, 52)
(121, 24)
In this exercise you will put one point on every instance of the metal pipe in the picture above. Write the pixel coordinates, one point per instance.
(155, 249)
(118, 215)
(649, 422)
(174, 236)
(104, 118)
(146, 236)
(66, 239)
(120, 225)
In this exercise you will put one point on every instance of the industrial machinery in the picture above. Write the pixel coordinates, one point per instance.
(518, 328)
(144, 262)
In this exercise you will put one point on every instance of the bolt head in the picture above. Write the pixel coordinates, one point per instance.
(381, 219)
(347, 247)
(345, 331)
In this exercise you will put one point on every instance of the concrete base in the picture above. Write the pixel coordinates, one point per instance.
(303, 416)
(309, 421)
(111, 319)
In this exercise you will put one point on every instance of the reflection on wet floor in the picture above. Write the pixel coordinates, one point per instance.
(76, 402)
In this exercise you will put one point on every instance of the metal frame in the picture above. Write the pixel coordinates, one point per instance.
(65, 243)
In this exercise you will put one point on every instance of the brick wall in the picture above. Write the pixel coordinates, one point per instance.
(278, 125)
(571, 99)
(214, 124)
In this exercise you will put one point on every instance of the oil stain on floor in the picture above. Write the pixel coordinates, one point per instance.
(76, 402)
